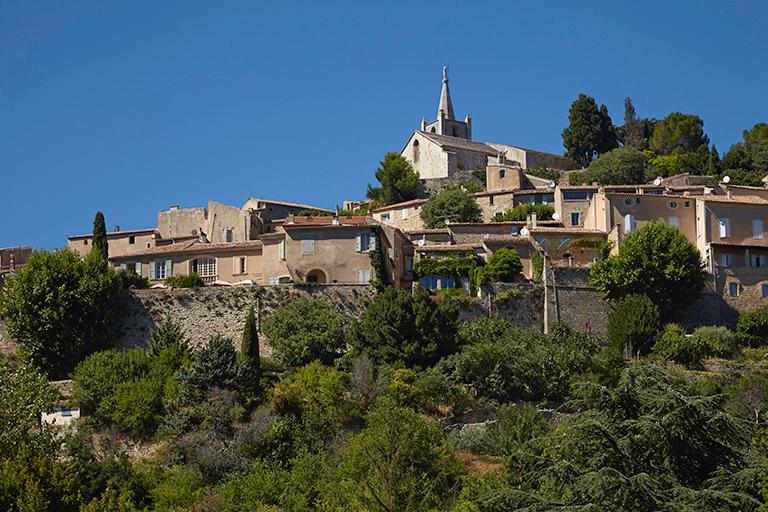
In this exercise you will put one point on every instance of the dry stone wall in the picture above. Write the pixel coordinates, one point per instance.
(206, 312)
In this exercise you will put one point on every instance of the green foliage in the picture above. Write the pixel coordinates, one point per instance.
(657, 261)
(492, 365)
(213, 366)
(481, 175)
(313, 212)
(130, 279)
(100, 243)
(537, 266)
(589, 131)
(398, 181)
(677, 134)
(60, 308)
(452, 204)
(643, 445)
(636, 132)
(746, 162)
(136, 406)
(167, 334)
(521, 212)
(620, 166)
(378, 257)
(397, 462)
(448, 266)
(191, 280)
(752, 327)
(96, 378)
(405, 327)
(303, 330)
(24, 395)
(674, 345)
(111, 500)
(503, 266)
(542, 171)
(250, 360)
(633, 325)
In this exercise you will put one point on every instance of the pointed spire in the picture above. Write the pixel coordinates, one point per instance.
(445, 98)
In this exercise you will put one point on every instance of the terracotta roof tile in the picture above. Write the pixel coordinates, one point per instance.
(191, 247)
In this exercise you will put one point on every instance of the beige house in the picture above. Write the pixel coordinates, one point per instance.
(323, 250)
(119, 243)
(216, 263)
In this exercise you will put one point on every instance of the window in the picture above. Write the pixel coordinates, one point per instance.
(131, 239)
(725, 260)
(229, 235)
(758, 261)
(429, 282)
(629, 223)
(404, 214)
(577, 195)
(363, 242)
(502, 174)
(575, 218)
(490, 200)
(673, 205)
(385, 217)
(281, 250)
(725, 227)
(137, 268)
(161, 270)
(757, 229)
(629, 202)
(448, 282)
(364, 276)
(653, 192)
(673, 221)
(241, 265)
(85, 242)
(416, 151)
(409, 264)
(733, 289)
(206, 267)
(764, 290)
(687, 204)
(308, 246)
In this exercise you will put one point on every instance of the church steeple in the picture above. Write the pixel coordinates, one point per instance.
(445, 106)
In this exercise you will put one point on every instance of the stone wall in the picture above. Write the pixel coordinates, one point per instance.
(430, 187)
(570, 299)
(205, 312)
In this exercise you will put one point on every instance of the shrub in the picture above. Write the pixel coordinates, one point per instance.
(537, 266)
(504, 265)
(214, 366)
(452, 204)
(521, 212)
(137, 406)
(406, 327)
(192, 280)
(303, 330)
(673, 344)
(60, 308)
(483, 329)
(621, 166)
(752, 326)
(130, 279)
(717, 341)
(167, 334)
(633, 325)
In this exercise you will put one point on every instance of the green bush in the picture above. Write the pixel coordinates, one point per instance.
(537, 266)
(452, 205)
(483, 329)
(167, 334)
(504, 265)
(60, 308)
(633, 325)
(752, 327)
(717, 341)
(130, 279)
(137, 406)
(521, 211)
(303, 330)
(192, 280)
(673, 344)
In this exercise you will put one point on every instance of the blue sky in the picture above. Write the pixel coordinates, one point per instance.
(129, 107)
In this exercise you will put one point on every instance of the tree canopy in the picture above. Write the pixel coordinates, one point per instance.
(452, 205)
(397, 181)
(658, 261)
(589, 132)
(100, 243)
(620, 166)
(677, 134)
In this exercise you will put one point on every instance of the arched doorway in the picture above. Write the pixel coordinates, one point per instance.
(316, 276)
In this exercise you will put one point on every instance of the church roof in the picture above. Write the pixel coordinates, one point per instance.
(446, 141)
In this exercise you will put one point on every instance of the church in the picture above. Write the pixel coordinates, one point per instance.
(444, 147)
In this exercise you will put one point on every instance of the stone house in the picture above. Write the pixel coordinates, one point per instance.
(11, 259)
(119, 243)
(216, 263)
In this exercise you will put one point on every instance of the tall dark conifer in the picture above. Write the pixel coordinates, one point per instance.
(100, 236)
(249, 351)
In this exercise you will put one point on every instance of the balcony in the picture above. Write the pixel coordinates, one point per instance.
(209, 280)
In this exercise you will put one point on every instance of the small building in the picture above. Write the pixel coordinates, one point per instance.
(119, 243)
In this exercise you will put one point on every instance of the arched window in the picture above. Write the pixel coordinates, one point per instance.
(415, 151)
(432, 130)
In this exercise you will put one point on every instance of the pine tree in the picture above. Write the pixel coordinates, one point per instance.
(713, 162)
(582, 136)
(100, 236)
(633, 128)
(249, 352)
(607, 140)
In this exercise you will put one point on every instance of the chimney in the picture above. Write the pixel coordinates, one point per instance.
(290, 219)
(117, 228)
(533, 220)
(174, 207)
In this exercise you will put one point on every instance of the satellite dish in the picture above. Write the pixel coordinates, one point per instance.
(555, 216)
(524, 232)
(552, 184)
(657, 181)
(726, 179)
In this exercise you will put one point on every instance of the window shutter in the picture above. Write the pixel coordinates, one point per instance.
(190, 266)
(372, 243)
(281, 249)
(138, 268)
(359, 243)
(168, 268)
(152, 268)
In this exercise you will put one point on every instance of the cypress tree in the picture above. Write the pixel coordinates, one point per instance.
(582, 136)
(249, 350)
(100, 236)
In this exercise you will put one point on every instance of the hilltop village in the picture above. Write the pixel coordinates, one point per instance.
(269, 242)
